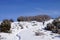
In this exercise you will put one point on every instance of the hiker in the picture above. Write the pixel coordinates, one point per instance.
(43, 22)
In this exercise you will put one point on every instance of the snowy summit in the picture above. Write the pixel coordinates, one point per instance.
(29, 31)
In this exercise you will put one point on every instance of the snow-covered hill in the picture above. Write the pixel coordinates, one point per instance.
(27, 31)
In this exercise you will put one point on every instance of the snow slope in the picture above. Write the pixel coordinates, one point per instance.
(28, 31)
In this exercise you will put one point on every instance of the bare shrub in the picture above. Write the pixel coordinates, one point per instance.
(38, 18)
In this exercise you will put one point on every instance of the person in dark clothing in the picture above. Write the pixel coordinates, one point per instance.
(43, 22)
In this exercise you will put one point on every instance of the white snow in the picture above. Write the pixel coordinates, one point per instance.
(28, 31)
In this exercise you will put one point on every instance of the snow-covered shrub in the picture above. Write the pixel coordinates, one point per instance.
(54, 27)
(5, 26)
(49, 27)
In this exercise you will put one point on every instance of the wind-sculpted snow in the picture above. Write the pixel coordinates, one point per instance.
(28, 30)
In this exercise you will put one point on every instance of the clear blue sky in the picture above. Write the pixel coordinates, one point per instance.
(14, 8)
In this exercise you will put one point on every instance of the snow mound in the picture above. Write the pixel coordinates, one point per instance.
(27, 30)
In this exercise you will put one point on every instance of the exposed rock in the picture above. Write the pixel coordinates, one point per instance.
(39, 33)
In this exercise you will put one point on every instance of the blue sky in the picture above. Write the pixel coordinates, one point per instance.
(11, 9)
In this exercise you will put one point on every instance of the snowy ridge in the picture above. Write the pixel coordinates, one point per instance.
(28, 31)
